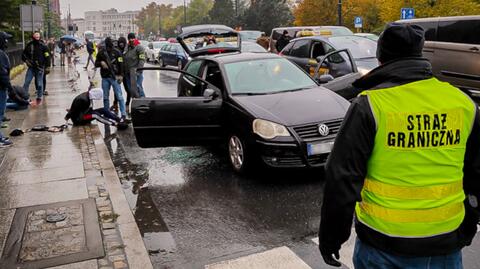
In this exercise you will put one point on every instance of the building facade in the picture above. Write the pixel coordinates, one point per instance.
(55, 6)
(111, 23)
(79, 23)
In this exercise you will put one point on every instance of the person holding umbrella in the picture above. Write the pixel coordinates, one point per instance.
(37, 58)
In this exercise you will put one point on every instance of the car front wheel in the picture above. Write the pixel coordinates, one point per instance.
(180, 65)
(160, 62)
(237, 153)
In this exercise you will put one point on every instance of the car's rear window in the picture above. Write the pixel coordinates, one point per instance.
(360, 47)
(263, 76)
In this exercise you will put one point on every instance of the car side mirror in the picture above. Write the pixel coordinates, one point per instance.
(210, 95)
(325, 78)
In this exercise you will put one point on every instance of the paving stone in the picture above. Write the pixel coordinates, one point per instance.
(117, 258)
(108, 225)
(103, 262)
(119, 265)
(109, 232)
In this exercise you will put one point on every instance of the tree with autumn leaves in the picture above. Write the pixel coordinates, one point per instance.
(376, 13)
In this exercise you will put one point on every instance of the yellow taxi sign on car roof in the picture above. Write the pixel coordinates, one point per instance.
(305, 33)
(325, 32)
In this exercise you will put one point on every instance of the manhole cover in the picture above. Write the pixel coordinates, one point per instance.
(56, 217)
(53, 234)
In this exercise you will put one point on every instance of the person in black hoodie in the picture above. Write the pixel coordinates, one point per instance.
(37, 58)
(18, 98)
(415, 201)
(5, 84)
(110, 60)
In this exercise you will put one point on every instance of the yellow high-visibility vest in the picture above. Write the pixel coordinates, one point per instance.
(414, 182)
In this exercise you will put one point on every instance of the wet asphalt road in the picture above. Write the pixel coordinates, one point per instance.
(192, 210)
(196, 211)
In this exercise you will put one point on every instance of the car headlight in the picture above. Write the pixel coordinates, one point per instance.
(269, 130)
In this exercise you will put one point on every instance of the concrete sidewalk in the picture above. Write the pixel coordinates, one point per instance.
(61, 201)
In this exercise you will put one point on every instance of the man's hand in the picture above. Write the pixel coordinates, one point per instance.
(328, 254)
(119, 79)
(104, 65)
(47, 70)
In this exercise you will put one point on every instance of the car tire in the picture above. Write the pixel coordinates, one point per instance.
(179, 65)
(160, 62)
(238, 154)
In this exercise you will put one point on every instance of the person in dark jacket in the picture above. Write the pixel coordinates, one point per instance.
(37, 58)
(18, 98)
(90, 51)
(5, 84)
(63, 52)
(81, 111)
(122, 47)
(282, 41)
(110, 60)
(415, 201)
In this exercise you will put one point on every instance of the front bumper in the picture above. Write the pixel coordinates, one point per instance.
(289, 155)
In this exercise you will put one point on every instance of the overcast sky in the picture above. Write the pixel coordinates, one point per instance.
(78, 7)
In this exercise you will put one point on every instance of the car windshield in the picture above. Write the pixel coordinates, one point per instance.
(360, 47)
(158, 45)
(266, 76)
(250, 35)
(252, 47)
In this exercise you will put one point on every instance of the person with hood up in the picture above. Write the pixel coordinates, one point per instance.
(282, 41)
(5, 84)
(406, 161)
(134, 58)
(18, 98)
(110, 60)
(122, 45)
(37, 58)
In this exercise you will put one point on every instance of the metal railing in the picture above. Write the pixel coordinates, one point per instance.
(15, 55)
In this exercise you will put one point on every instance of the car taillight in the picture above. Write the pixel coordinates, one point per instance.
(215, 51)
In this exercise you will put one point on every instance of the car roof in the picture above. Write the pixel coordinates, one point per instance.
(239, 57)
(325, 38)
(304, 27)
(204, 28)
(452, 18)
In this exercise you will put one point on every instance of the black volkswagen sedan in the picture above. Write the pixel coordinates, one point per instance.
(265, 108)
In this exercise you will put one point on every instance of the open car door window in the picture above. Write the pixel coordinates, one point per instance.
(337, 71)
(178, 121)
(209, 39)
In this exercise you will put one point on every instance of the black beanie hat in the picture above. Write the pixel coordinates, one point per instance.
(131, 36)
(108, 42)
(400, 40)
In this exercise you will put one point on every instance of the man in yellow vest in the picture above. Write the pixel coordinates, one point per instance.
(407, 162)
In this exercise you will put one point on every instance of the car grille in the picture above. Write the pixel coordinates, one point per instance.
(309, 132)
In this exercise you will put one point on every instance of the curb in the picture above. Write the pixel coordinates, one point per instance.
(137, 255)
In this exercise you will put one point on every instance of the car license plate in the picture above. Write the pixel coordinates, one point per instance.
(321, 148)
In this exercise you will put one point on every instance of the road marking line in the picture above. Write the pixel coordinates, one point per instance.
(346, 252)
(277, 258)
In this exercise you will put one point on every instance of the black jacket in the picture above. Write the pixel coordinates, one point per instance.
(347, 167)
(36, 55)
(90, 48)
(81, 106)
(4, 71)
(114, 61)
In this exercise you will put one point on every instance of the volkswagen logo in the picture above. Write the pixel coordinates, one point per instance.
(323, 130)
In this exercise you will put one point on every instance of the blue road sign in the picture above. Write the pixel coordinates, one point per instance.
(358, 21)
(407, 13)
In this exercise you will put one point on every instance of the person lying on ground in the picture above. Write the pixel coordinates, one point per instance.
(18, 98)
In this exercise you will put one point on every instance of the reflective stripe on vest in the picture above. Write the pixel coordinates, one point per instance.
(414, 177)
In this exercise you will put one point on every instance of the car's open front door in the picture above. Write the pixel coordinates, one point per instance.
(177, 121)
(337, 71)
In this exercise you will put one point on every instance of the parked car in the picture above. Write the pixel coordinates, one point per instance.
(153, 50)
(252, 47)
(249, 35)
(373, 37)
(305, 51)
(266, 109)
(173, 54)
(453, 47)
(314, 30)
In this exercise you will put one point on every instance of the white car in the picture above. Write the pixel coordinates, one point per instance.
(153, 50)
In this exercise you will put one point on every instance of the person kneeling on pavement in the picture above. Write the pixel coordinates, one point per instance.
(18, 98)
(81, 111)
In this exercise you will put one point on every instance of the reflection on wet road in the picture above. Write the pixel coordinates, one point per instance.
(193, 210)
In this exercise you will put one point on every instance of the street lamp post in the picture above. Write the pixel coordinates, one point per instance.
(185, 12)
(340, 12)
